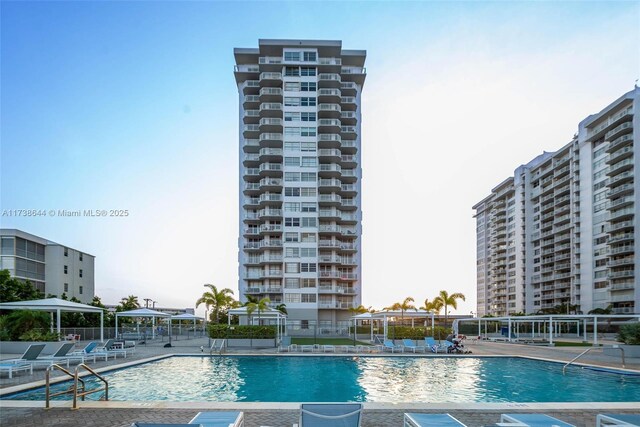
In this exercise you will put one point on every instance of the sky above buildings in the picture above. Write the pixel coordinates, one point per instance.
(133, 106)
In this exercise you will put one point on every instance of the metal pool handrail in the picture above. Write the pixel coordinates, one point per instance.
(47, 391)
(588, 350)
(84, 392)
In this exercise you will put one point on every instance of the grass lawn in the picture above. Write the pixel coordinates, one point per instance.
(572, 344)
(323, 341)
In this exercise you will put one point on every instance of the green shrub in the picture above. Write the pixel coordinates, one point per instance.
(20, 322)
(417, 333)
(630, 334)
(38, 335)
(242, 331)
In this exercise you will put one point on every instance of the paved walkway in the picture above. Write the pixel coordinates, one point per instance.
(105, 414)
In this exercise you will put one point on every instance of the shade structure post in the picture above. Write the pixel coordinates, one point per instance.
(58, 322)
(509, 328)
(101, 325)
(550, 330)
(595, 330)
(153, 327)
(584, 330)
(116, 325)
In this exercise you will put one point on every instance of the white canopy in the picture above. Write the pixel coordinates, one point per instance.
(186, 316)
(142, 312)
(268, 313)
(56, 305)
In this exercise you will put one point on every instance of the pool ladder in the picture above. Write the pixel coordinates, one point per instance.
(588, 350)
(74, 388)
(220, 346)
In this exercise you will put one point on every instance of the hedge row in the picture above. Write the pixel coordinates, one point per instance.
(242, 331)
(418, 333)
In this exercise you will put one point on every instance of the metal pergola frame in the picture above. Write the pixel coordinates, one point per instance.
(142, 312)
(384, 316)
(271, 313)
(548, 324)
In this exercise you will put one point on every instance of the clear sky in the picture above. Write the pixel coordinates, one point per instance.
(133, 105)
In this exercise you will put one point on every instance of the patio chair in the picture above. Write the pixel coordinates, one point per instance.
(10, 367)
(432, 345)
(430, 420)
(285, 343)
(88, 352)
(31, 353)
(407, 343)
(618, 420)
(388, 345)
(329, 347)
(330, 415)
(110, 348)
(60, 356)
(531, 420)
(219, 419)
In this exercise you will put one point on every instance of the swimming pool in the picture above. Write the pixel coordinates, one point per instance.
(362, 379)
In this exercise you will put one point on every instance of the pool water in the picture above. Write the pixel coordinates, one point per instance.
(362, 379)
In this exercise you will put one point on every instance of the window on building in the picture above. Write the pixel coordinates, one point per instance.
(80, 290)
(309, 162)
(290, 101)
(308, 297)
(309, 56)
(307, 71)
(308, 237)
(292, 86)
(309, 101)
(307, 252)
(308, 222)
(308, 86)
(292, 131)
(292, 207)
(292, 191)
(292, 267)
(80, 272)
(292, 56)
(309, 207)
(66, 287)
(292, 283)
(80, 256)
(292, 222)
(308, 117)
(308, 192)
(290, 237)
(292, 116)
(307, 131)
(292, 176)
(292, 161)
(308, 177)
(291, 298)
(292, 71)
(308, 267)
(66, 251)
(308, 283)
(292, 252)
(308, 147)
(291, 146)
(66, 269)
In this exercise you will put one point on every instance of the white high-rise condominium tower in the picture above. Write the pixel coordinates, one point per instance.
(300, 173)
(560, 233)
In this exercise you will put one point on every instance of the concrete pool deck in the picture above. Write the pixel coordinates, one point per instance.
(112, 413)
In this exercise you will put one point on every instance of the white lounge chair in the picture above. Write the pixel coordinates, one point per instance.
(330, 415)
(430, 420)
(60, 356)
(531, 420)
(30, 355)
(11, 367)
(618, 420)
(219, 419)
(285, 344)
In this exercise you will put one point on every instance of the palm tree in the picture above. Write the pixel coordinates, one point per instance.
(129, 303)
(445, 300)
(434, 306)
(403, 306)
(215, 299)
(262, 305)
(282, 308)
(359, 310)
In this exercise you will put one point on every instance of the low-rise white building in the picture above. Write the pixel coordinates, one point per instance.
(52, 268)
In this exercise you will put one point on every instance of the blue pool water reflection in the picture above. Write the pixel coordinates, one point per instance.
(370, 379)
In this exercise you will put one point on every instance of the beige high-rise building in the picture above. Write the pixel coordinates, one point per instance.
(300, 174)
(562, 230)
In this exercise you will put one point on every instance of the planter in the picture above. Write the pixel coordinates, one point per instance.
(629, 350)
(19, 347)
(247, 343)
